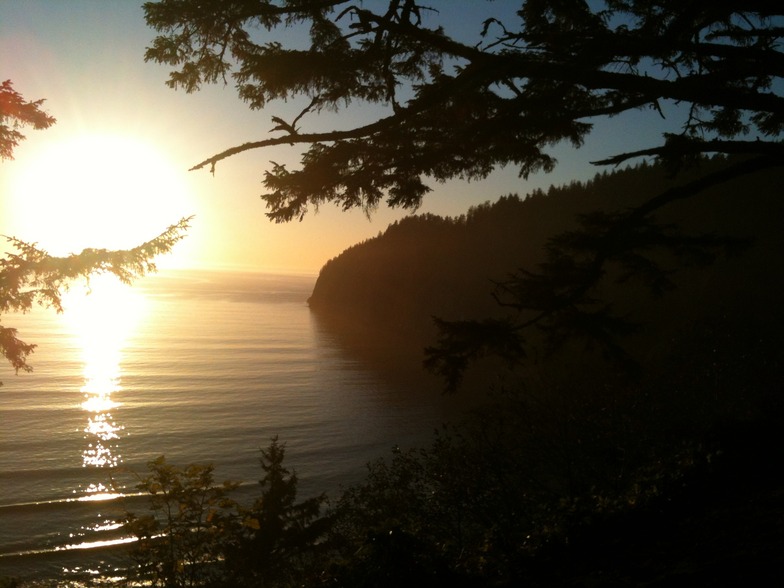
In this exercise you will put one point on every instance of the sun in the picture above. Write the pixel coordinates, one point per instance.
(101, 191)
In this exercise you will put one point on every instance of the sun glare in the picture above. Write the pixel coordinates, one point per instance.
(103, 315)
(102, 191)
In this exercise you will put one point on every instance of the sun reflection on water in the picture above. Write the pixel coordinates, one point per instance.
(103, 316)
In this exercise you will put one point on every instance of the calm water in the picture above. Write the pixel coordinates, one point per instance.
(199, 367)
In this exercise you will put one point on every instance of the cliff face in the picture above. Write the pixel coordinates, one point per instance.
(426, 266)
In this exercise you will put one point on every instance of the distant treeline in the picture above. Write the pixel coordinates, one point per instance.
(425, 265)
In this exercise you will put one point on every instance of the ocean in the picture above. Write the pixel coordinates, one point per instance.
(202, 368)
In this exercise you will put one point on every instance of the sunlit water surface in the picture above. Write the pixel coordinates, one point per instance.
(198, 367)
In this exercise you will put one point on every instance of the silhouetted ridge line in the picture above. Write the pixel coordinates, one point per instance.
(426, 265)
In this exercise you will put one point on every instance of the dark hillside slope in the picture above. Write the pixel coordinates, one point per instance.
(390, 286)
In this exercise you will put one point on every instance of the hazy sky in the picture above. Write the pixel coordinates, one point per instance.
(113, 170)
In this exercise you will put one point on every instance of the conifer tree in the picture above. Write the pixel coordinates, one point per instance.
(280, 535)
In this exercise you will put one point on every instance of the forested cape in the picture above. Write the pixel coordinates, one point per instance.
(389, 288)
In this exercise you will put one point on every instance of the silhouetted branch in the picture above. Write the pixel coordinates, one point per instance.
(294, 138)
(696, 147)
(29, 276)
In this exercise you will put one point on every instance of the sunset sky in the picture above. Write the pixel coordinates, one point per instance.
(113, 171)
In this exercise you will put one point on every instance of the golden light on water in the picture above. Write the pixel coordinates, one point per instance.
(103, 315)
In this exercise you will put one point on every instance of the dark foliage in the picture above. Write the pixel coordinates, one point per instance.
(280, 540)
(15, 113)
(182, 540)
(570, 487)
(460, 107)
(196, 534)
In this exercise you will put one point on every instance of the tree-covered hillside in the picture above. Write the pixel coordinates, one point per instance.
(425, 265)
